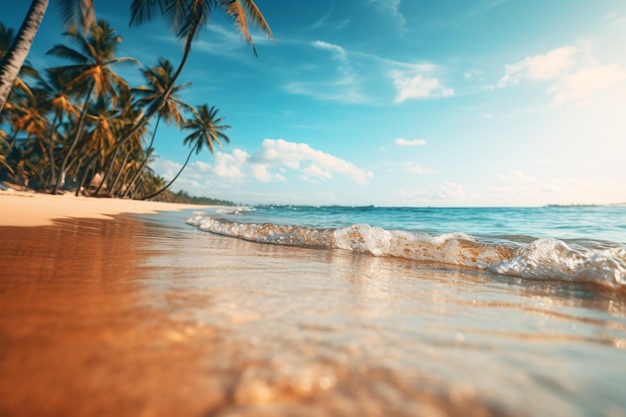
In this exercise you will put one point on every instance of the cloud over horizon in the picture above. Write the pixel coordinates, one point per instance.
(272, 163)
(410, 142)
(575, 74)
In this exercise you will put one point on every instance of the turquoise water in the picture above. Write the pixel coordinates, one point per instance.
(521, 308)
(584, 244)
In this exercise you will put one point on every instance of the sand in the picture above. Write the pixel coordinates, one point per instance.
(133, 317)
(21, 208)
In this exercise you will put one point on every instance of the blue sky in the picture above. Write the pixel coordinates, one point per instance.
(398, 102)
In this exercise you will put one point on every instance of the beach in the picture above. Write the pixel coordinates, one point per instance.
(27, 208)
(122, 308)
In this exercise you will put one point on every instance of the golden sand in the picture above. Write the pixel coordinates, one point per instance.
(20, 208)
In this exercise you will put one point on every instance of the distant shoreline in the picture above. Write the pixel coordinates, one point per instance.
(587, 205)
(23, 208)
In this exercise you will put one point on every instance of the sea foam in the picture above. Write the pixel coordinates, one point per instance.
(542, 259)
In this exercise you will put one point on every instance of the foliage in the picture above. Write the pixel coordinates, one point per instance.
(183, 197)
(81, 126)
(65, 127)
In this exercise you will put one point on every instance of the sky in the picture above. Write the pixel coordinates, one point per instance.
(441, 103)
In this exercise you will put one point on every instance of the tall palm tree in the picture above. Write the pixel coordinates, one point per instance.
(29, 115)
(92, 71)
(7, 38)
(4, 149)
(10, 65)
(159, 79)
(56, 85)
(186, 19)
(131, 112)
(105, 126)
(206, 130)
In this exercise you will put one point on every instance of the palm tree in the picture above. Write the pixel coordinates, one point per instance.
(206, 130)
(159, 79)
(7, 38)
(91, 71)
(28, 115)
(186, 18)
(4, 149)
(10, 65)
(56, 85)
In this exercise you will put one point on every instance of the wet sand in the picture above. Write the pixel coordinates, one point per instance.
(146, 316)
(90, 325)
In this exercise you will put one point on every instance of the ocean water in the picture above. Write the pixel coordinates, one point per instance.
(579, 244)
(519, 310)
(317, 311)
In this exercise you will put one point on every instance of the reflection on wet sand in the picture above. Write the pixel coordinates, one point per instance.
(75, 337)
(153, 318)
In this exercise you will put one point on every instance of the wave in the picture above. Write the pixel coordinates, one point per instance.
(235, 210)
(544, 258)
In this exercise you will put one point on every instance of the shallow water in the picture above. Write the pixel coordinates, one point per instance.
(570, 244)
(150, 316)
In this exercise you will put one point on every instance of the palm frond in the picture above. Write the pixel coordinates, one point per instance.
(141, 11)
(77, 12)
(68, 53)
(194, 19)
(242, 11)
(257, 18)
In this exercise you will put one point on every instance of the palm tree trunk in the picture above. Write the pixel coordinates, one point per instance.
(119, 176)
(126, 186)
(152, 110)
(52, 179)
(145, 161)
(138, 173)
(16, 55)
(173, 179)
(79, 129)
(106, 174)
(90, 167)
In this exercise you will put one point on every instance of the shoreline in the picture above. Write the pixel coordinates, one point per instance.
(29, 209)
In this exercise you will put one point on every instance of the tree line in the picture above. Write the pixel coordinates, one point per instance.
(82, 126)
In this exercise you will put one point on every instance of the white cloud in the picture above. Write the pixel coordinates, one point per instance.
(519, 188)
(417, 87)
(341, 91)
(340, 84)
(574, 73)
(416, 169)
(309, 161)
(540, 67)
(450, 191)
(276, 159)
(583, 84)
(165, 167)
(261, 173)
(338, 51)
(229, 165)
(326, 22)
(410, 142)
(314, 170)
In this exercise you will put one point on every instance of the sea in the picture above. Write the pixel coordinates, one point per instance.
(318, 311)
(572, 243)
